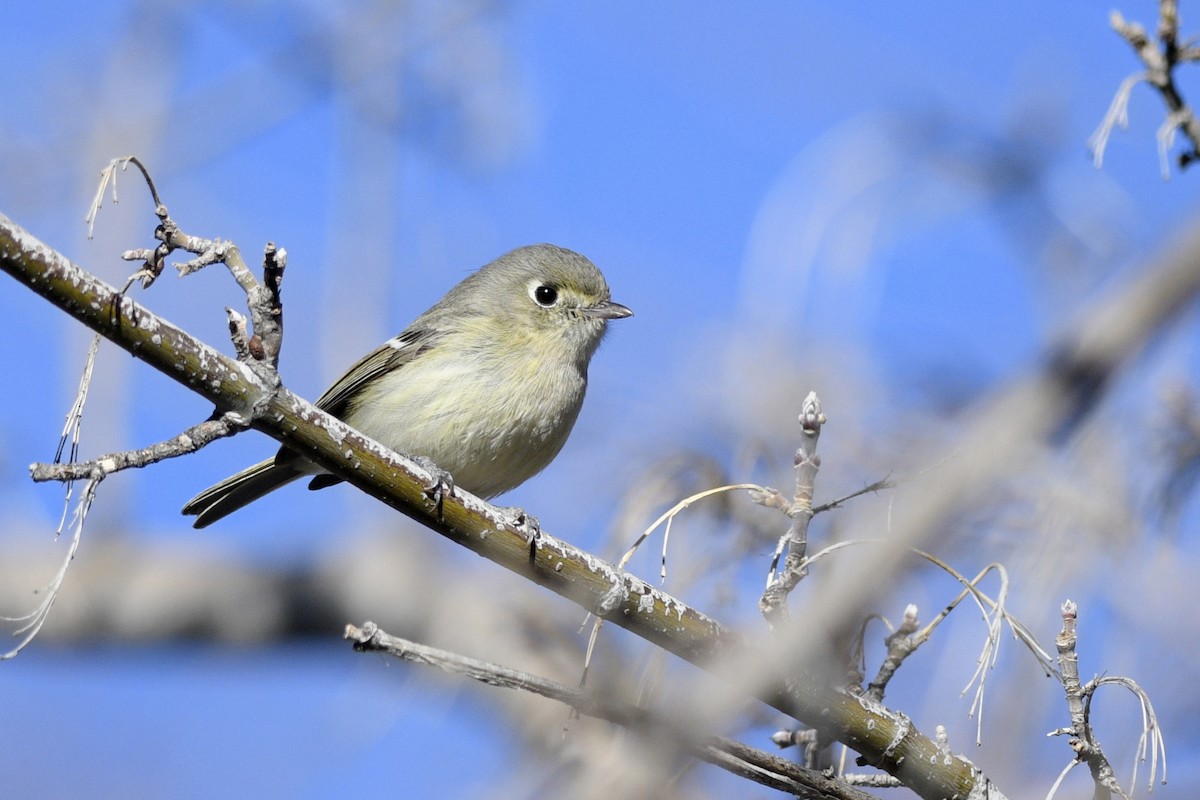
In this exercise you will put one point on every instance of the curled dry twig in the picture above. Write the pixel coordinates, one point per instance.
(1080, 733)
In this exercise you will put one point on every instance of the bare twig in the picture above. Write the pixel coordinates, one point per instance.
(1087, 750)
(72, 428)
(260, 348)
(1160, 59)
(740, 759)
(773, 603)
(1117, 116)
(189, 441)
(1081, 735)
(1151, 740)
(108, 175)
(70, 434)
(871, 488)
(993, 612)
(667, 517)
(900, 643)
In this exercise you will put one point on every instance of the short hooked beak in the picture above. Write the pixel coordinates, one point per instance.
(607, 309)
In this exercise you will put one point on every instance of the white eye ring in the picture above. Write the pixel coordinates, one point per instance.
(543, 294)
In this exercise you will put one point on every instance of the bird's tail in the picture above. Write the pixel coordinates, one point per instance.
(239, 490)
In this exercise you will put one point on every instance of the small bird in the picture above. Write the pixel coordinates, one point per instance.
(486, 384)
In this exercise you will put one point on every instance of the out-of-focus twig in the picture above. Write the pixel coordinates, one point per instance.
(747, 762)
(1160, 59)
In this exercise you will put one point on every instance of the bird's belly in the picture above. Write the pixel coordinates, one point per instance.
(488, 434)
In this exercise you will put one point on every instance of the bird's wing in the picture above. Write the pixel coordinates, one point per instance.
(392, 355)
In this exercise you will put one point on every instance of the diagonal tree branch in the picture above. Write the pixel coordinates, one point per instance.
(886, 739)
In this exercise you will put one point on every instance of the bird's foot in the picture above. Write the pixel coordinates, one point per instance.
(442, 485)
(526, 523)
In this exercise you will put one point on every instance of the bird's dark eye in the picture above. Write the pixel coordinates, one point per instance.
(545, 296)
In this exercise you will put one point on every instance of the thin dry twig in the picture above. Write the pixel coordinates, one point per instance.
(742, 760)
(993, 612)
(189, 441)
(666, 517)
(68, 441)
(35, 619)
(73, 426)
(1117, 116)
(108, 176)
(1151, 741)
(871, 488)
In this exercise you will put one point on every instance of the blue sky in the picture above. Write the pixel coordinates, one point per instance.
(891, 204)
